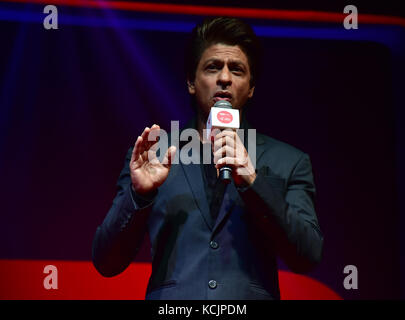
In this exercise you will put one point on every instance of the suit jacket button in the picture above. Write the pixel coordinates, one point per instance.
(214, 244)
(212, 284)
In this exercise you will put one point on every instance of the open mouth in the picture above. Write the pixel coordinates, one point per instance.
(222, 95)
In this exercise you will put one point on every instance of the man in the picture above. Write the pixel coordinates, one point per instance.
(210, 240)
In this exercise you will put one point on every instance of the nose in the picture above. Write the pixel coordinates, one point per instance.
(224, 78)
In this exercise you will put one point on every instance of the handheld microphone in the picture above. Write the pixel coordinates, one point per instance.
(222, 116)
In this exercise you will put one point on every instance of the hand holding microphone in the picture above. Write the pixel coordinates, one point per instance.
(230, 155)
(222, 116)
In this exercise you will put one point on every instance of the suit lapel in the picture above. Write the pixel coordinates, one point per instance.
(194, 179)
(228, 202)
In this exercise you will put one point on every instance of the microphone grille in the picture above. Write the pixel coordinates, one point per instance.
(223, 104)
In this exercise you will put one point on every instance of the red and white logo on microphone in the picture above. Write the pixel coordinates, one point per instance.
(224, 116)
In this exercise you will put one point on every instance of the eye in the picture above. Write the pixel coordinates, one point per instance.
(237, 71)
(211, 67)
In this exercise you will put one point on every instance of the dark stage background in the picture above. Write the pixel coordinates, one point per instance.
(73, 101)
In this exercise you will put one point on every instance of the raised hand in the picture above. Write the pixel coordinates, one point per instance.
(147, 172)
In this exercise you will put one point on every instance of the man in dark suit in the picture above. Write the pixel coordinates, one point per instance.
(212, 240)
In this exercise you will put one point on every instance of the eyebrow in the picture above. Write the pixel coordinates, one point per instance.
(232, 61)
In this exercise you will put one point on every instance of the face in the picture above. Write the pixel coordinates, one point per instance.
(223, 73)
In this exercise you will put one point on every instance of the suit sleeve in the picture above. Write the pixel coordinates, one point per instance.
(119, 237)
(287, 222)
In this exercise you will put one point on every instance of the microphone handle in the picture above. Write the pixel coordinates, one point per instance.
(225, 174)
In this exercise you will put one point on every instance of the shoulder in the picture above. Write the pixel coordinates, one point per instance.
(282, 158)
(277, 146)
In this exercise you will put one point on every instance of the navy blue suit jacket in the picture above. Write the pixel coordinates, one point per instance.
(234, 257)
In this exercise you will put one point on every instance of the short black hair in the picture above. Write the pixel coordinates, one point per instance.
(225, 30)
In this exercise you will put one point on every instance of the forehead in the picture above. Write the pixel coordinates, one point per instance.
(224, 52)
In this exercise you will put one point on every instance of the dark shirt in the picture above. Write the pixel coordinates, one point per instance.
(214, 188)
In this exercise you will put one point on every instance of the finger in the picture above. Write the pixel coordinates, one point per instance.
(245, 171)
(225, 140)
(145, 133)
(136, 149)
(152, 136)
(151, 153)
(227, 161)
(154, 147)
(226, 132)
(144, 139)
(224, 137)
(235, 142)
(233, 137)
(169, 156)
(146, 143)
(240, 150)
(225, 151)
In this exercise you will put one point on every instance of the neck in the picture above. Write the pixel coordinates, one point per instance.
(201, 124)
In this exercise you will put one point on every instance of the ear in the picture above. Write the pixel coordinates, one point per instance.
(191, 87)
(251, 90)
